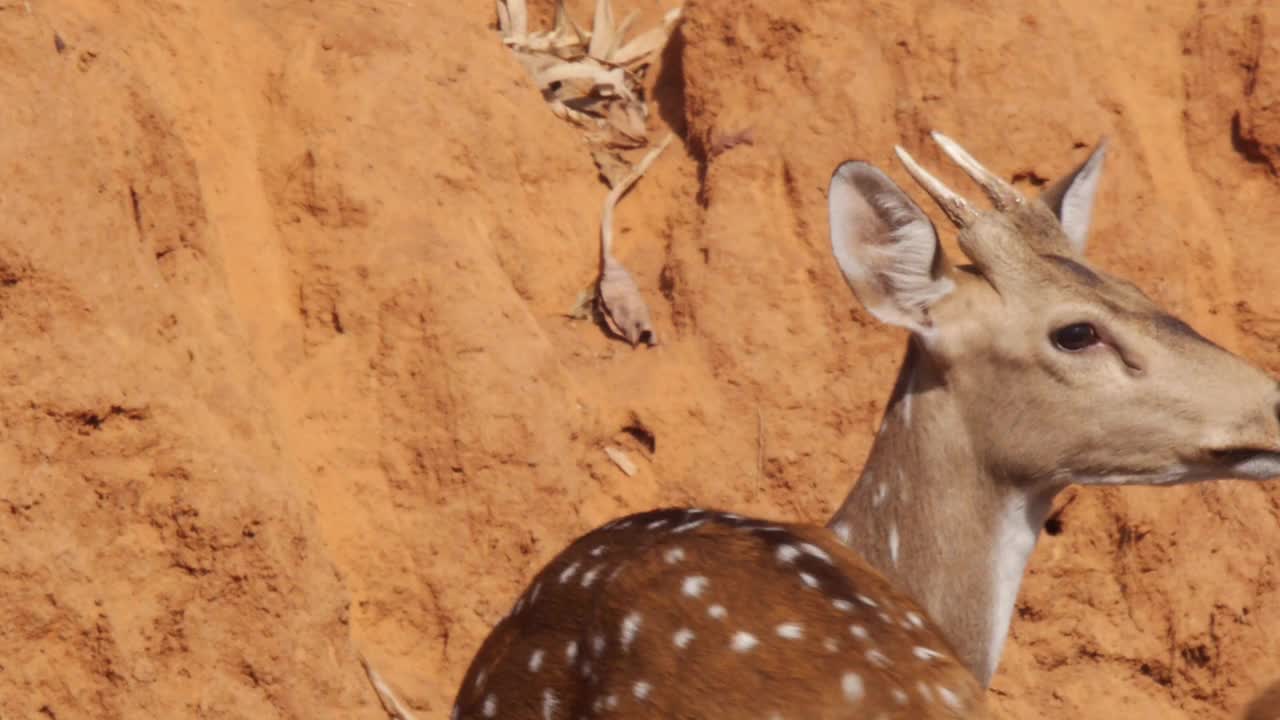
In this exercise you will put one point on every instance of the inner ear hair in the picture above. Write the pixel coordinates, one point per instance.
(886, 247)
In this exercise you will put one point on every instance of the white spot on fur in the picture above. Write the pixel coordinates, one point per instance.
(877, 658)
(881, 493)
(589, 576)
(925, 653)
(630, 626)
(490, 705)
(867, 601)
(884, 618)
(571, 651)
(568, 573)
(717, 611)
(682, 638)
(859, 632)
(816, 551)
(641, 689)
(743, 641)
(842, 605)
(790, 631)
(914, 618)
(692, 524)
(549, 704)
(597, 645)
(537, 588)
(786, 553)
(950, 698)
(907, 394)
(924, 691)
(693, 585)
(900, 696)
(830, 645)
(851, 685)
(843, 531)
(599, 550)
(611, 702)
(809, 580)
(893, 543)
(535, 660)
(673, 555)
(656, 524)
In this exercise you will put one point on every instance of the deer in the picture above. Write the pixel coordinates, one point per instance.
(1026, 371)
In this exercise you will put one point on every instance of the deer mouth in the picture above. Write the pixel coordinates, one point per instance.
(1247, 463)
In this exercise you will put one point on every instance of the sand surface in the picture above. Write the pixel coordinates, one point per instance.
(287, 374)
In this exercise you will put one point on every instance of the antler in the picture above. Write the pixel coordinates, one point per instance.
(956, 207)
(1002, 194)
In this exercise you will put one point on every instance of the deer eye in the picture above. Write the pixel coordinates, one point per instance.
(1075, 337)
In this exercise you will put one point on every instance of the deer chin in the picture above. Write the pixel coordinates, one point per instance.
(1233, 464)
(1251, 464)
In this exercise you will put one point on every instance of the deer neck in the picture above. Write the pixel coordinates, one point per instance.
(938, 523)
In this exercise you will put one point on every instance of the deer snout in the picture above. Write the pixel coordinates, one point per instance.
(1249, 449)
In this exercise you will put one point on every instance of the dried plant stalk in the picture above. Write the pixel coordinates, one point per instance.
(624, 307)
(390, 702)
(621, 459)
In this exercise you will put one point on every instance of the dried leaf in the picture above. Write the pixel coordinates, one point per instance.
(504, 19)
(519, 13)
(612, 166)
(620, 459)
(627, 121)
(620, 32)
(624, 306)
(583, 304)
(590, 79)
(648, 42)
(641, 47)
(602, 31)
(564, 112)
(561, 20)
(597, 75)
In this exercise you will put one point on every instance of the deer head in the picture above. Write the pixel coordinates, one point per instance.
(1063, 374)
(1028, 370)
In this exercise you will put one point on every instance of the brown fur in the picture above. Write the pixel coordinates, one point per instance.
(1266, 706)
(793, 677)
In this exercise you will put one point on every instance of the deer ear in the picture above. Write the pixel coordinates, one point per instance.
(886, 247)
(1071, 197)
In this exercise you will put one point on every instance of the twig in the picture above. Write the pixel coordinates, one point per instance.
(611, 200)
(392, 704)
